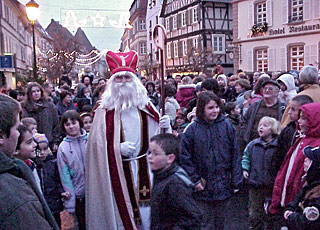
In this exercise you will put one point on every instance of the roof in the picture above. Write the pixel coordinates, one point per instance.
(82, 38)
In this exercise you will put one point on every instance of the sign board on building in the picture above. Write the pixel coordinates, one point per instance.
(6, 61)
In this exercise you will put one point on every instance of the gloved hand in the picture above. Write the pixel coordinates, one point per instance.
(127, 149)
(245, 174)
(164, 122)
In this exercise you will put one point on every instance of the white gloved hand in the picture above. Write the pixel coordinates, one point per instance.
(164, 122)
(127, 149)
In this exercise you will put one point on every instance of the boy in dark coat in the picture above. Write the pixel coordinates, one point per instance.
(303, 212)
(172, 205)
(22, 204)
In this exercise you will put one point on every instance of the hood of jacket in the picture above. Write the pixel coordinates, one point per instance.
(6, 163)
(173, 101)
(218, 119)
(186, 90)
(84, 135)
(312, 113)
(30, 107)
(288, 80)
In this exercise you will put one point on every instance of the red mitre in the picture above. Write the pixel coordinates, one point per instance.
(118, 62)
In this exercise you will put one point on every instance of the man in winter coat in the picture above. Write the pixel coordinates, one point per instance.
(118, 179)
(22, 205)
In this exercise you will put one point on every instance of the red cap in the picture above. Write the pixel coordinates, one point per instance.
(118, 62)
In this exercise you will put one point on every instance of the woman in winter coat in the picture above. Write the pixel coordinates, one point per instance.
(185, 92)
(44, 112)
(210, 155)
(171, 104)
(288, 88)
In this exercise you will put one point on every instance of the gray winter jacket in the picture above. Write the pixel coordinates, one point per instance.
(71, 164)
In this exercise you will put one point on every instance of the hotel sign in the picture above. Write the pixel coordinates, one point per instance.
(294, 29)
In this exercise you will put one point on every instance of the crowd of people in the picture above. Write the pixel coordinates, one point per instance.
(103, 151)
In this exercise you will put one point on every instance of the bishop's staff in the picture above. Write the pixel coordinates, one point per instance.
(159, 35)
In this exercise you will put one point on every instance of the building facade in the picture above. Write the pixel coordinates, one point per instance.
(198, 35)
(138, 34)
(276, 35)
(15, 40)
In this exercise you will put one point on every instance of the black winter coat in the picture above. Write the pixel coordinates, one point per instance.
(22, 205)
(172, 205)
(210, 152)
(50, 183)
(285, 141)
(301, 219)
(257, 160)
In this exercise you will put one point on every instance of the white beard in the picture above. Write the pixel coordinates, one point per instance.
(121, 96)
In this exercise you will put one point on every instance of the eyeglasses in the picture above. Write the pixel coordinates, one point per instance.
(271, 89)
(155, 154)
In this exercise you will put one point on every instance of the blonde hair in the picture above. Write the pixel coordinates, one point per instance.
(275, 127)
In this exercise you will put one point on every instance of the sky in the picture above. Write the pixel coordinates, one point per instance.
(111, 14)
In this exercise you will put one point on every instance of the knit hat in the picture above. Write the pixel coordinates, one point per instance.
(40, 138)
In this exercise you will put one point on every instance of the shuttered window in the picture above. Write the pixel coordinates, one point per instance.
(262, 60)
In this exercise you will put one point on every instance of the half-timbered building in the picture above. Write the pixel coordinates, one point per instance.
(199, 33)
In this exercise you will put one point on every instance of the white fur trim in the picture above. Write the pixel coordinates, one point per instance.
(186, 86)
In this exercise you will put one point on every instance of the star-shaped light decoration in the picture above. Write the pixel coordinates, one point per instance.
(98, 20)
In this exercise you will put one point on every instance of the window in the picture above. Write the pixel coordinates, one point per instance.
(296, 10)
(296, 57)
(262, 60)
(184, 47)
(175, 22)
(142, 24)
(157, 19)
(175, 49)
(169, 50)
(183, 19)
(219, 43)
(143, 47)
(167, 24)
(261, 12)
(194, 15)
(195, 43)
(150, 24)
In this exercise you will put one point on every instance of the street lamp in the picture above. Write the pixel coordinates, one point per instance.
(32, 9)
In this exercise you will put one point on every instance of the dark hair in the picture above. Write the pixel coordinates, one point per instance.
(65, 79)
(63, 94)
(197, 79)
(168, 142)
(13, 93)
(90, 78)
(302, 99)
(99, 89)
(244, 83)
(73, 116)
(8, 116)
(30, 85)
(46, 85)
(203, 99)
(210, 85)
(85, 114)
(22, 130)
(152, 84)
(65, 87)
(28, 121)
(229, 107)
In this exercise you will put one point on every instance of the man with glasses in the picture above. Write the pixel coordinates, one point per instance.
(268, 106)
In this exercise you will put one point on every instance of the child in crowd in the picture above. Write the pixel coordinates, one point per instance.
(256, 165)
(247, 102)
(71, 164)
(303, 212)
(87, 121)
(288, 181)
(26, 151)
(232, 111)
(210, 155)
(287, 136)
(49, 177)
(172, 205)
(179, 124)
(30, 123)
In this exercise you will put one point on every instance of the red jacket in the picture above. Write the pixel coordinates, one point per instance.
(185, 94)
(294, 184)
